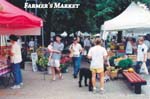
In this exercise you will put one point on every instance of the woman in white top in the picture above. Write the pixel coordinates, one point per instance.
(76, 50)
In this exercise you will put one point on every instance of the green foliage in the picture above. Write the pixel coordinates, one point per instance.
(130, 62)
(126, 63)
(88, 17)
(62, 66)
(42, 61)
(40, 52)
(111, 60)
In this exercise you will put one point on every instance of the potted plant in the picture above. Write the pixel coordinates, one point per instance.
(65, 62)
(42, 63)
(42, 59)
(64, 68)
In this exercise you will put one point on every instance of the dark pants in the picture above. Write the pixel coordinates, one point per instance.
(17, 73)
(76, 65)
(138, 66)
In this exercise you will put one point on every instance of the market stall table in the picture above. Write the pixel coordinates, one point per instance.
(5, 74)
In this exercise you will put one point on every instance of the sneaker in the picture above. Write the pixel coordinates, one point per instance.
(21, 84)
(94, 90)
(15, 87)
(75, 76)
(102, 91)
(53, 78)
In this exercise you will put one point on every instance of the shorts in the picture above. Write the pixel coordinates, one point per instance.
(97, 70)
(54, 63)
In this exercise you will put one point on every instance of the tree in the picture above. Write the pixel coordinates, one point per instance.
(108, 9)
(88, 17)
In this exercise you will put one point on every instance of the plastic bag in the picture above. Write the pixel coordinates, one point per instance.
(144, 69)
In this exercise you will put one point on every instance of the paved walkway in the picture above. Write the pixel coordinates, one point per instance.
(36, 88)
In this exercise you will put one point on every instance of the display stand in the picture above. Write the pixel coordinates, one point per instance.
(34, 59)
(6, 75)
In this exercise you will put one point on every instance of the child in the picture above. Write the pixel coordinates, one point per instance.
(50, 48)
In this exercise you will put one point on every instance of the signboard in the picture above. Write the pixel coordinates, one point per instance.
(34, 58)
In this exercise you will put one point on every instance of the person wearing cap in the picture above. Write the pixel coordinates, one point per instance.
(97, 54)
(16, 59)
(57, 48)
(141, 54)
(76, 50)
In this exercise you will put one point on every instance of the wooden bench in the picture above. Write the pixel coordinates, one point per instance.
(135, 80)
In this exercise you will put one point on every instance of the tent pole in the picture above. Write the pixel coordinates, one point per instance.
(42, 37)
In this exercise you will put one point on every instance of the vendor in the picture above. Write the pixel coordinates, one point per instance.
(16, 59)
(141, 54)
(129, 47)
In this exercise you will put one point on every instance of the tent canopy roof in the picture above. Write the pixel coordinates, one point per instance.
(134, 17)
(15, 20)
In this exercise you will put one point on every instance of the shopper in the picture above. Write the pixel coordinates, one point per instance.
(57, 48)
(97, 54)
(16, 59)
(76, 50)
(141, 54)
(87, 44)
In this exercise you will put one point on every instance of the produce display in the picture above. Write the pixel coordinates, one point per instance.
(4, 51)
(3, 61)
(112, 72)
(125, 63)
(119, 59)
(130, 70)
(4, 66)
(119, 64)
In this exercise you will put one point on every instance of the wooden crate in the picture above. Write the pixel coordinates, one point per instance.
(111, 53)
(114, 74)
(133, 57)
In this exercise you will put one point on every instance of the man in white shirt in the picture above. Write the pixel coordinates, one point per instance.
(87, 45)
(141, 54)
(31, 44)
(97, 54)
(76, 50)
(147, 42)
(16, 59)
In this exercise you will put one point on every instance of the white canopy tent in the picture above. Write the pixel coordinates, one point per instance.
(64, 34)
(86, 34)
(79, 33)
(134, 18)
(71, 35)
(52, 34)
(3, 40)
(97, 35)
